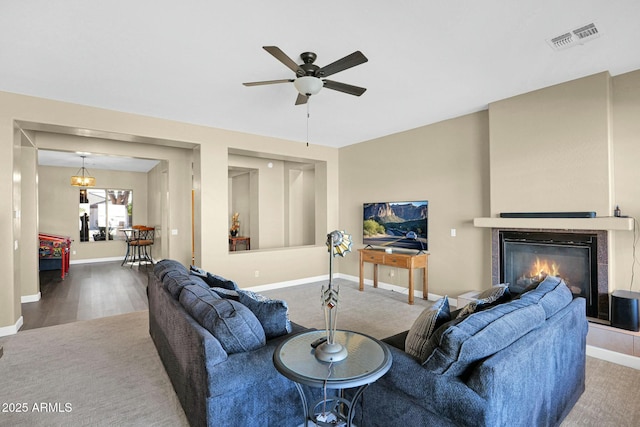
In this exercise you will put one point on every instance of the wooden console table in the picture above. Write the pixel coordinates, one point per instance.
(401, 260)
(233, 242)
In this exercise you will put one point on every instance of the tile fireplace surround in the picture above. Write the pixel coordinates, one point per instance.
(602, 262)
(598, 226)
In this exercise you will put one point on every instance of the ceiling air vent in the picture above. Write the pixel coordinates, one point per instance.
(575, 37)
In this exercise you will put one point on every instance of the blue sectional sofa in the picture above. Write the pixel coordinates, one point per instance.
(514, 363)
(226, 379)
(518, 363)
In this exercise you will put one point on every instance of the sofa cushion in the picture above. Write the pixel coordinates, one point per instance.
(552, 294)
(164, 266)
(175, 280)
(195, 292)
(429, 320)
(233, 324)
(273, 314)
(495, 295)
(198, 281)
(466, 340)
(398, 340)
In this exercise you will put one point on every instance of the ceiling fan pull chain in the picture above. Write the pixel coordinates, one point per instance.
(308, 102)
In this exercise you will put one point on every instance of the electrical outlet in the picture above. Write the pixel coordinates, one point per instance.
(453, 232)
(257, 273)
(73, 252)
(392, 273)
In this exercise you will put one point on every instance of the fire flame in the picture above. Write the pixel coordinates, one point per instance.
(544, 268)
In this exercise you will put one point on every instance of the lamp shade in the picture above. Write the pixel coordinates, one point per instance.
(339, 243)
(82, 178)
(308, 85)
(83, 181)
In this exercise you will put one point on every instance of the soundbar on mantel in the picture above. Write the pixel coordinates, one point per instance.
(547, 215)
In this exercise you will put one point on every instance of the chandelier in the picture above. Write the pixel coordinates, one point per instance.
(82, 178)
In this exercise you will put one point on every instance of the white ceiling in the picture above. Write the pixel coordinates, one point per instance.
(186, 60)
(94, 161)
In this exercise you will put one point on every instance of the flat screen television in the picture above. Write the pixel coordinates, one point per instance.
(401, 225)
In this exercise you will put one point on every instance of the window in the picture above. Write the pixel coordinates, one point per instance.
(103, 213)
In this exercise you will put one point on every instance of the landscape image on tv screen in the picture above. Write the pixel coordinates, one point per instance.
(396, 224)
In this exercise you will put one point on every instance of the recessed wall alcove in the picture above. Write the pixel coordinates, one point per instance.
(276, 198)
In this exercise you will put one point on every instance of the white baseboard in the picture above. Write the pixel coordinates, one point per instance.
(367, 282)
(92, 260)
(395, 288)
(278, 285)
(30, 298)
(11, 330)
(614, 357)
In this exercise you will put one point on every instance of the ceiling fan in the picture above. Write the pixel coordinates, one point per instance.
(310, 78)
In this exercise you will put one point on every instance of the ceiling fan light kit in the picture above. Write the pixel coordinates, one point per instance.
(310, 78)
(308, 85)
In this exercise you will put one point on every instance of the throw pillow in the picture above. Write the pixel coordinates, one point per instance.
(488, 298)
(216, 281)
(227, 293)
(272, 314)
(422, 329)
(197, 271)
(233, 324)
(213, 280)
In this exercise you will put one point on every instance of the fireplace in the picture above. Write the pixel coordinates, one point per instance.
(524, 257)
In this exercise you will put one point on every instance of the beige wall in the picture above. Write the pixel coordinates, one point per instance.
(550, 149)
(626, 158)
(572, 147)
(275, 200)
(270, 265)
(446, 164)
(176, 164)
(569, 147)
(157, 207)
(269, 191)
(58, 207)
(29, 281)
(211, 145)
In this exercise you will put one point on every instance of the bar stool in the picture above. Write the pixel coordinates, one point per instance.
(130, 235)
(143, 244)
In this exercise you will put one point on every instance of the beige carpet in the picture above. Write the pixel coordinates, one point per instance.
(376, 312)
(101, 372)
(108, 372)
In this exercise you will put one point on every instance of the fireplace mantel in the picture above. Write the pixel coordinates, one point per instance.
(602, 223)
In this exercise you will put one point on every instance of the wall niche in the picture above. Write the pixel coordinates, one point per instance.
(275, 198)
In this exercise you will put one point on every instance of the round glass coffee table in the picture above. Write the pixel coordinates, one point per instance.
(368, 359)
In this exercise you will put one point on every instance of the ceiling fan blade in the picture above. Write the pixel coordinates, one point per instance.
(301, 99)
(343, 87)
(356, 58)
(282, 57)
(268, 82)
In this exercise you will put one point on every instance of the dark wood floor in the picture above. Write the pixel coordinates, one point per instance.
(89, 291)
